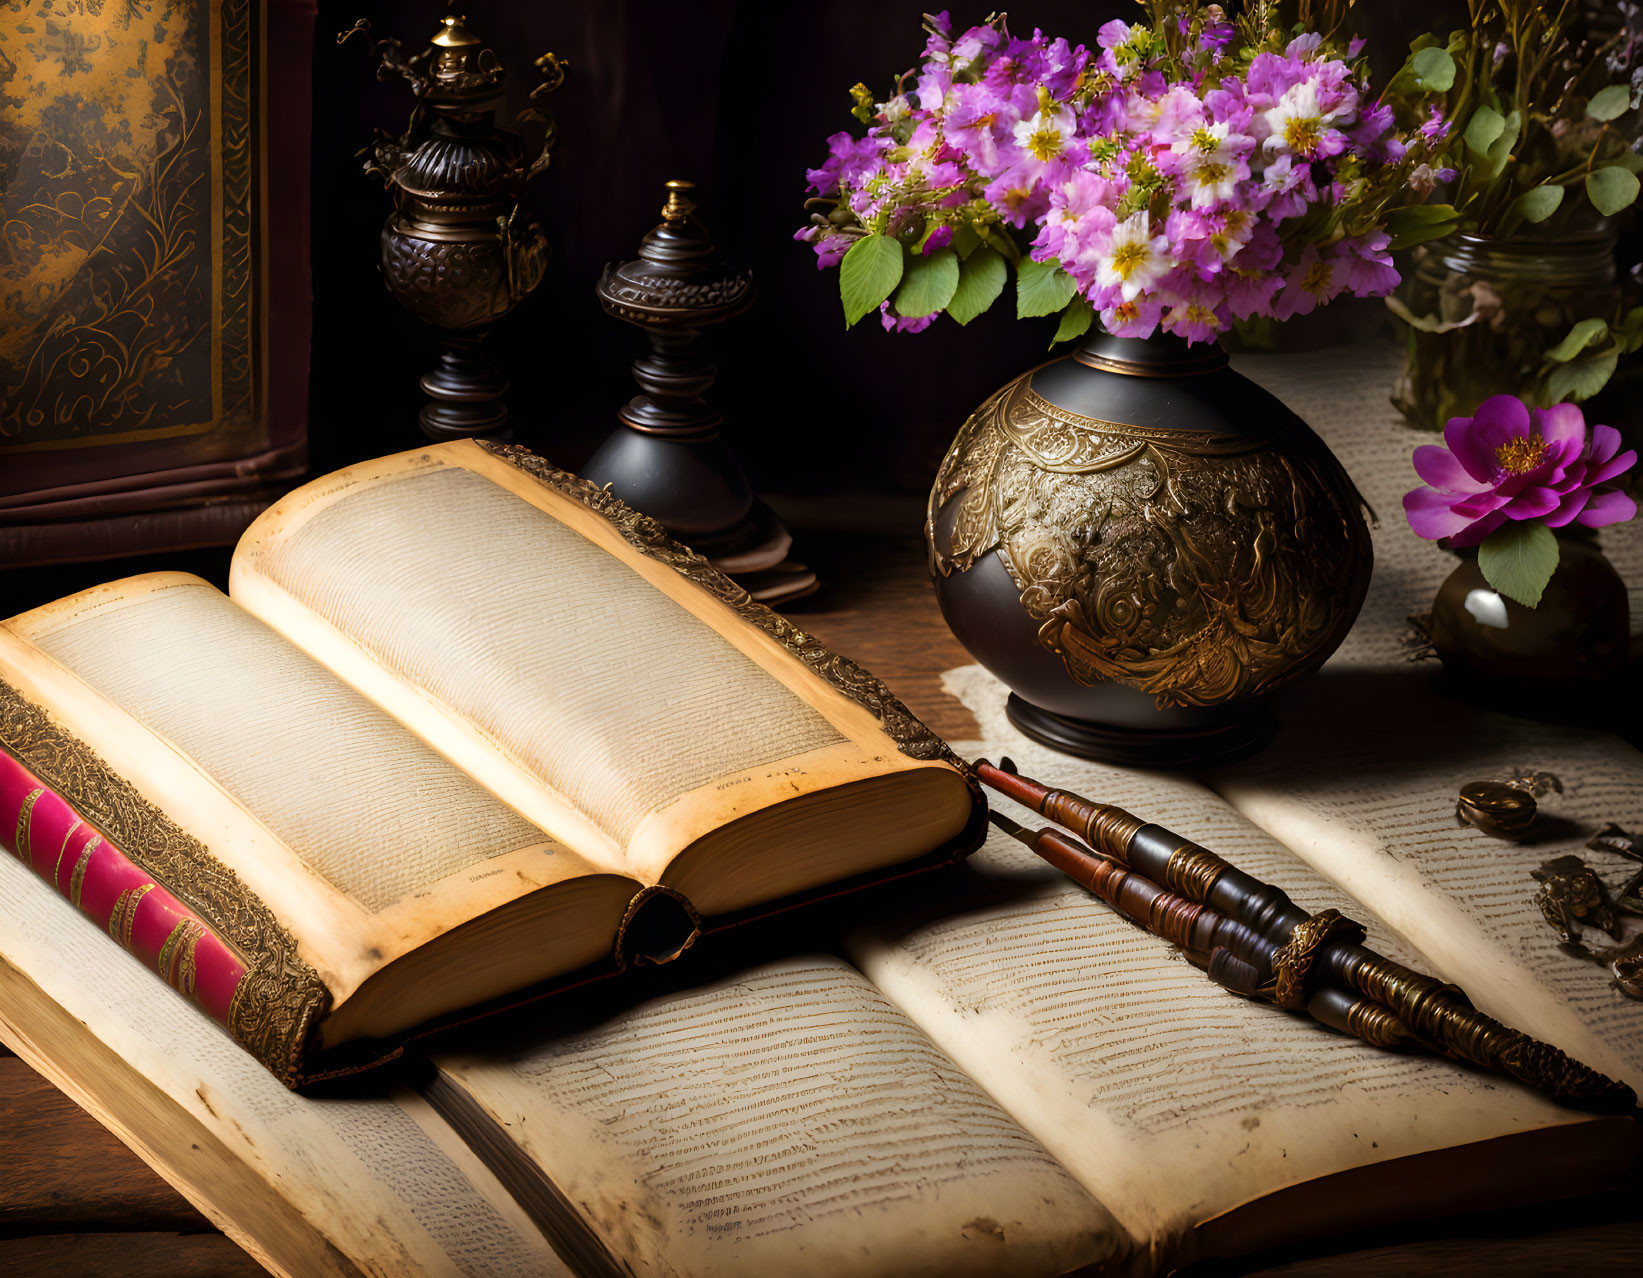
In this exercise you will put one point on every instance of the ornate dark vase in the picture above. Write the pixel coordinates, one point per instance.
(1570, 648)
(1144, 546)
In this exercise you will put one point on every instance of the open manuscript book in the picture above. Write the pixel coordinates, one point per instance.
(464, 726)
(1011, 1081)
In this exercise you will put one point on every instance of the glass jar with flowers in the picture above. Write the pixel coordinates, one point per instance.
(1517, 290)
(1518, 492)
(1141, 543)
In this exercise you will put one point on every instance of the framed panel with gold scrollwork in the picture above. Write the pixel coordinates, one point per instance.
(153, 326)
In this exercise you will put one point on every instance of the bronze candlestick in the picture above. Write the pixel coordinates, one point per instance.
(666, 458)
(459, 250)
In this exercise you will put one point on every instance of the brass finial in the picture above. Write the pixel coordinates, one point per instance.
(453, 32)
(679, 205)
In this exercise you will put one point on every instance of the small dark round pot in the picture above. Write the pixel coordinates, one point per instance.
(1575, 642)
(1144, 546)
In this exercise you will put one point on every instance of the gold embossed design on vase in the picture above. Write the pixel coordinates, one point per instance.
(1197, 567)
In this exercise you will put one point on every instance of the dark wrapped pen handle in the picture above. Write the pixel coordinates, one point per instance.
(1315, 951)
(1235, 956)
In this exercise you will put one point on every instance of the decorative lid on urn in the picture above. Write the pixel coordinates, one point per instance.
(678, 276)
(462, 72)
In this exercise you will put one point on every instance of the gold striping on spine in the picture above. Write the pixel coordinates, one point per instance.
(124, 916)
(77, 880)
(176, 959)
(1192, 871)
(62, 851)
(25, 814)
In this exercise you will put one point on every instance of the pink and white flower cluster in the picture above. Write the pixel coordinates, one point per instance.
(1181, 178)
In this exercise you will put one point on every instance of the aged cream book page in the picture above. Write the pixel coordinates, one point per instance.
(591, 686)
(1171, 1100)
(785, 1121)
(365, 843)
(1380, 820)
(308, 1187)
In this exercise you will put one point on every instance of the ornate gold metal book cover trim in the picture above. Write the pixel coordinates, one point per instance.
(280, 998)
(132, 304)
(649, 537)
(1197, 567)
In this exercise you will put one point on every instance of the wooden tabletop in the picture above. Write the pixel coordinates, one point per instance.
(75, 1201)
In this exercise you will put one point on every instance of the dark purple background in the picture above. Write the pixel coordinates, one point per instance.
(739, 98)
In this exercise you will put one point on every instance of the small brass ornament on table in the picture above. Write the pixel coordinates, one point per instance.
(1504, 808)
(460, 250)
(1571, 895)
(667, 457)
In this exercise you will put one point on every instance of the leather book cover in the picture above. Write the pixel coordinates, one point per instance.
(154, 277)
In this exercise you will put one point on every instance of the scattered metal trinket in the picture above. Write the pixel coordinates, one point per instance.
(1624, 961)
(1535, 783)
(1507, 807)
(1571, 894)
(1495, 808)
(1611, 838)
(1625, 964)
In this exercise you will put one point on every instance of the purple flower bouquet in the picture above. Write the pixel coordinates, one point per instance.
(1177, 176)
(1507, 477)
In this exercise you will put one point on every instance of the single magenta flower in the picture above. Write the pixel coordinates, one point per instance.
(1506, 463)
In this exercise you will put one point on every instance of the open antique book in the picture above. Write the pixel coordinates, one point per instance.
(1008, 1080)
(465, 726)
(1012, 1081)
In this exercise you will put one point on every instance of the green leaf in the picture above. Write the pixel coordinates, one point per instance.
(1582, 378)
(1578, 339)
(1538, 203)
(1500, 150)
(1609, 103)
(1434, 69)
(1518, 559)
(1075, 321)
(870, 270)
(981, 279)
(1041, 288)
(1417, 223)
(1484, 127)
(1632, 329)
(927, 284)
(1611, 189)
(965, 240)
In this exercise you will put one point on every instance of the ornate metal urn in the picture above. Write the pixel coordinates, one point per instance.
(1145, 545)
(459, 249)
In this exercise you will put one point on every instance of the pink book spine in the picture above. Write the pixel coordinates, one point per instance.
(42, 831)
